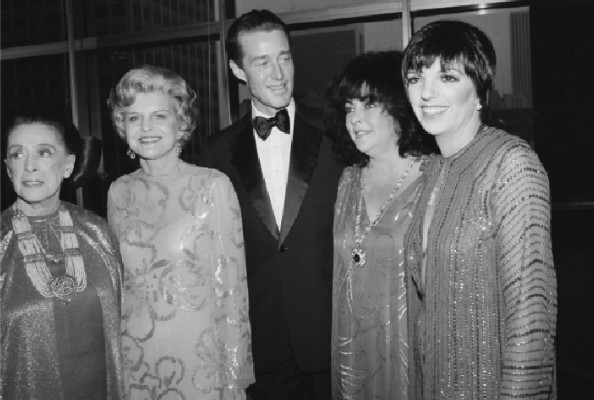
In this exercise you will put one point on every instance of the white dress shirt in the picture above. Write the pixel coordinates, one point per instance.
(274, 154)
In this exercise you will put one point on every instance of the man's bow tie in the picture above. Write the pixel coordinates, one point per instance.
(263, 125)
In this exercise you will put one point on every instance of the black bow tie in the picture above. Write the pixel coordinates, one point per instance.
(263, 125)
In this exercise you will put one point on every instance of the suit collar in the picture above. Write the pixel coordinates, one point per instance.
(304, 159)
(244, 157)
(304, 155)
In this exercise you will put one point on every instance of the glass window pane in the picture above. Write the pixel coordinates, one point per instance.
(29, 22)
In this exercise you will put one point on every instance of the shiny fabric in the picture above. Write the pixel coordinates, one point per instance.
(36, 358)
(369, 320)
(185, 324)
(263, 126)
(483, 320)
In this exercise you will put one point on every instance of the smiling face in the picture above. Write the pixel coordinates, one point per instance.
(267, 69)
(446, 103)
(371, 128)
(151, 126)
(37, 162)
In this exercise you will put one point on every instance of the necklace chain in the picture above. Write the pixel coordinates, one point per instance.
(62, 287)
(358, 255)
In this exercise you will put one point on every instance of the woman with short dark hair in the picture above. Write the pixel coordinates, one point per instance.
(375, 133)
(61, 270)
(482, 293)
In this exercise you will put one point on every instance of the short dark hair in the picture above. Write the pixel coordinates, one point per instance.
(252, 21)
(373, 77)
(87, 150)
(451, 42)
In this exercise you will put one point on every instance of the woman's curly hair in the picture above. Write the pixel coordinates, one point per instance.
(148, 79)
(374, 77)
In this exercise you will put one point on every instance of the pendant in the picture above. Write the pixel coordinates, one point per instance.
(63, 287)
(359, 257)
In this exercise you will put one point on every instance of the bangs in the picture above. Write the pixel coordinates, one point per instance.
(446, 59)
(361, 91)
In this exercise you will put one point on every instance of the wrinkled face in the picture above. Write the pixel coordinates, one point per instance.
(37, 162)
(267, 69)
(445, 101)
(151, 126)
(371, 128)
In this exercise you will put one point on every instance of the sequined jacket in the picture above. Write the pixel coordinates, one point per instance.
(483, 316)
(28, 344)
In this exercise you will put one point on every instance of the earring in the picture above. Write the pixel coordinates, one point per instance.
(178, 148)
(131, 154)
(479, 106)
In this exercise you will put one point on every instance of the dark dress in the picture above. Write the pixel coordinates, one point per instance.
(53, 350)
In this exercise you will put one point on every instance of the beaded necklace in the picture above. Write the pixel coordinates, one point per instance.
(358, 255)
(61, 287)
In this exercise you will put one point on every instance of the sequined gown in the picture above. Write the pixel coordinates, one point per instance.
(56, 351)
(185, 328)
(483, 315)
(369, 315)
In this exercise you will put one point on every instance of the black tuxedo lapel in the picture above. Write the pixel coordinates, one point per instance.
(304, 158)
(244, 156)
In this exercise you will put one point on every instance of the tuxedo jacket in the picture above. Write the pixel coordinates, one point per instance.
(289, 269)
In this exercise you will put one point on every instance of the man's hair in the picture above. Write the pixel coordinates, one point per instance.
(253, 21)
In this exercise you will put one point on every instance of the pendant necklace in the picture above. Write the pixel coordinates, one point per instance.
(62, 287)
(358, 255)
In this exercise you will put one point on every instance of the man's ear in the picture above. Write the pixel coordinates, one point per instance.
(237, 71)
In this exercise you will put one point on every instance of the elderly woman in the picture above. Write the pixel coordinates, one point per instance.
(60, 264)
(185, 313)
(483, 300)
(374, 132)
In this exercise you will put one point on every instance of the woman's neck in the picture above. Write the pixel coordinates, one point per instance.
(387, 164)
(451, 143)
(41, 208)
(162, 166)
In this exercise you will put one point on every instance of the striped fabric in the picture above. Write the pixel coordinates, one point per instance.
(483, 314)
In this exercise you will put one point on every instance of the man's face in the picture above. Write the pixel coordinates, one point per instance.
(267, 69)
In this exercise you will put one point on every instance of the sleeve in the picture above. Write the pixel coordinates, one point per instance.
(230, 293)
(111, 209)
(528, 276)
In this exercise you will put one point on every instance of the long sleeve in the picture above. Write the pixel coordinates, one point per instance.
(528, 276)
(231, 295)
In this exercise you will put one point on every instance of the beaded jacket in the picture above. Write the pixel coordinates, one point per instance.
(30, 349)
(482, 313)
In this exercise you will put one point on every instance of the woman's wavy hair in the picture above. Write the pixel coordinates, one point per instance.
(87, 149)
(373, 77)
(149, 79)
(454, 42)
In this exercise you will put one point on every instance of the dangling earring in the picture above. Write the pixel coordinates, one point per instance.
(479, 106)
(178, 148)
(131, 154)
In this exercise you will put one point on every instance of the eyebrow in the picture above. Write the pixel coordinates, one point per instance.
(37, 145)
(152, 112)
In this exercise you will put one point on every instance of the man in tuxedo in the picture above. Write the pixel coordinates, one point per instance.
(285, 175)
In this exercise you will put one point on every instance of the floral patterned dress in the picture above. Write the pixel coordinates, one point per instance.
(185, 328)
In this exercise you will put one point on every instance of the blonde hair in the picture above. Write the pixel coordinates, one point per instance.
(149, 79)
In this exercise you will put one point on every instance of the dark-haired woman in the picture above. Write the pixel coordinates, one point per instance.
(483, 303)
(61, 269)
(374, 132)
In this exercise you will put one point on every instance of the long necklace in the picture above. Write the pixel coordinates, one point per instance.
(61, 287)
(358, 255)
